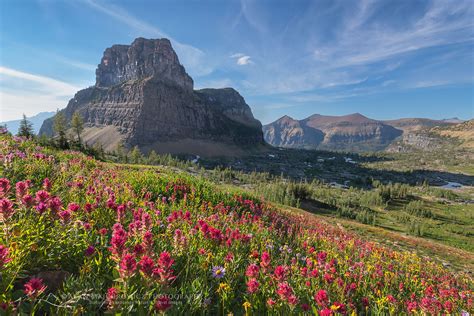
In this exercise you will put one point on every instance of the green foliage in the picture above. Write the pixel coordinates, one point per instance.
(417, 208)
(136, 156)
(60, 127)
(77, 124)
(416, 228)
(26, 128)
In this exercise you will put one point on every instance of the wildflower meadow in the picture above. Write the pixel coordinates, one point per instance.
(80, 236)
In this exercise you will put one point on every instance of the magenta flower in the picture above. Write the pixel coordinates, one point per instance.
(112, 294)
(4, 187)
(21, 188)
(163, 303)
(103, 231)
(252, 286)
(6, 208)
(47, 184)
(119, 238)
(34, 288)
(265, 260)
(4, 256)
(280, 273)
(165, 260)
(128, 265)
(89, 251)
(321, 298)
(42, 196)
(41, 207)
(27, 200)
(65, 216)
(55, 204)
(73, 207)
(146, 265)
(252, 270)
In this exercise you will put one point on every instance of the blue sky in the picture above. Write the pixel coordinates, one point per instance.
(385, 59)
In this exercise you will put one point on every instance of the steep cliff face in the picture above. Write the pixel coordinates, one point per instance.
(146, 97)
(288, 132)
(353, 132)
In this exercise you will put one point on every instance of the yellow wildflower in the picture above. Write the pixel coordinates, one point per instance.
(223, 287)
(334, 307)
(246, 305)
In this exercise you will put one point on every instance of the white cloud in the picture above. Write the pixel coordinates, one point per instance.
(241, 59)
(23, 92)
(244, 60)
(191, 57)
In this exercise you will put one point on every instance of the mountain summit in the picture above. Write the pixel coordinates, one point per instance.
(143, 96)
(353, 132)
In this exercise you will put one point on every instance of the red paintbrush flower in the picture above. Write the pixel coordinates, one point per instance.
(252, 271)
(146, 265)
(163, 303)
(4, 187)
(34, 288)
(127, 265)
(6, 208)
(252, 286)
(322, 298)
(4, 256)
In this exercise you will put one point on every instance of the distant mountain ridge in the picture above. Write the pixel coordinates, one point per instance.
(37, 121)
(353, 132)
(417, 124)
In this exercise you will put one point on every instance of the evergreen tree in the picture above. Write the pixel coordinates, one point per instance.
(77, 125)
(136, 155)
(26, 128)
(120, 152)
(153, 158)
(60, 127)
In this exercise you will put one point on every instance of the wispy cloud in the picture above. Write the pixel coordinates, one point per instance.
(191, 57)
(53, 86)
(23, 92)
(73, 63)
(345, 44)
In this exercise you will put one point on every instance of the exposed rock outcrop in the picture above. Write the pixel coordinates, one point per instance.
(353, 132)
(144, 96)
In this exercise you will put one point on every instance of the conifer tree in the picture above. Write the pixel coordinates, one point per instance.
(60, 126)
(77, 125)
(26, 128)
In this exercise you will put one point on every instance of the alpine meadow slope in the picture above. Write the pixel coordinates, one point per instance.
(84, 236)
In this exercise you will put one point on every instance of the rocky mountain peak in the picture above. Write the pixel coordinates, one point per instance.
(144, 58)
(144, 97)
(348, 132)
